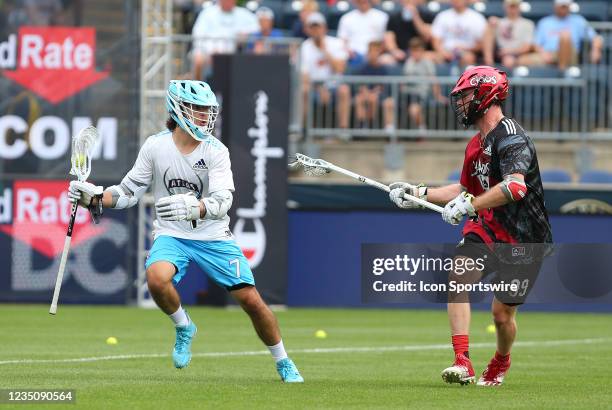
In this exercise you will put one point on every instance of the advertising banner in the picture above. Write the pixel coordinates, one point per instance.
(254, 117)
(34, 215)
(64, 67)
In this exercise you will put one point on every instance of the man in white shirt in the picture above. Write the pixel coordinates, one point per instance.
(323, 57)
(360, 27)
(457, 34)
(509, 38)
(190, 175)
(217, 29)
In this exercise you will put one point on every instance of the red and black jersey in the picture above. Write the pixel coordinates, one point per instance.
(506, 150)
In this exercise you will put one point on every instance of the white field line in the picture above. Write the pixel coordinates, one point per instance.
(365, 349)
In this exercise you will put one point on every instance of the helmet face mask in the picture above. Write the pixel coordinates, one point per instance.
(200, 118)
(465, 105)
(193, 106)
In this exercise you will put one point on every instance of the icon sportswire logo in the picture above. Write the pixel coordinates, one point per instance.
(53, 62)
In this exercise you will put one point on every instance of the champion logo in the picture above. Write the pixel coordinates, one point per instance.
(201, 165)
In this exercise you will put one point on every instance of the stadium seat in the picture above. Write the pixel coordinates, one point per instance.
(593, 10)
(537, 72)
(491, 8)
(555, 175)
(454, 176)
(596, 176)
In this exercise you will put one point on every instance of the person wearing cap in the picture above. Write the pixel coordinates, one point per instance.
(259, 43)
(559, 38)
(509, 38)
(218, 29)
(322, 58)
(299, 25)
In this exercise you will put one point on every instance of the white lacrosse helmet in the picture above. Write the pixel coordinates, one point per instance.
(193, 106)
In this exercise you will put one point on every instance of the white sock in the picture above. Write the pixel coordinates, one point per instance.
(278, 351)
(180, 317)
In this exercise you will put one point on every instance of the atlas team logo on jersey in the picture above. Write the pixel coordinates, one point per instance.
(53, 62)
(253, 243)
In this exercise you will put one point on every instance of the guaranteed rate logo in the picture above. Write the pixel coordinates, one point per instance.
(53, 62)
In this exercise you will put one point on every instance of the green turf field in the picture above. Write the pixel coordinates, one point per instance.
(386, 359)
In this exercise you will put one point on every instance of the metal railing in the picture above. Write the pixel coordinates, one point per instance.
(569, 108)
(547, 108)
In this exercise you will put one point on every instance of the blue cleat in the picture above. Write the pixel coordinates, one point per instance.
(182, 347)
(288, 372)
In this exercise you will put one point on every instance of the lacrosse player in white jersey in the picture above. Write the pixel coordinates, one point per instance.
(189, 173)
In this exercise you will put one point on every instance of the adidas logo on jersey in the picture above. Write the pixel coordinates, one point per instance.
(487, 150)
(200, 165)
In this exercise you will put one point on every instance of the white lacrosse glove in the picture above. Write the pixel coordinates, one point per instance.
(179, 207)
(83, 192)
(398, 189)
(455, 210)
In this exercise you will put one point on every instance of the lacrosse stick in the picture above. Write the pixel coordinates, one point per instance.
(80, 159)
(319, 167)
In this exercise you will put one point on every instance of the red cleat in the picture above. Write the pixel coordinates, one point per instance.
(494, 373)
(460, 372)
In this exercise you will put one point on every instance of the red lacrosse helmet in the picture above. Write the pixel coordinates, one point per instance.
(486, 85)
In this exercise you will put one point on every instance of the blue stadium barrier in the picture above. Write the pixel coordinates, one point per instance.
(454, 176)
(325, 249)
(555, 175)
(596, 176)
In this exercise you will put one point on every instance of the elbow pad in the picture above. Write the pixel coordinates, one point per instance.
(218, 204)
(126, 194)
(513, 188)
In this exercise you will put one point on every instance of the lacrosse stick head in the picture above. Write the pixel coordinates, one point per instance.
(82, 146)
(311, 167)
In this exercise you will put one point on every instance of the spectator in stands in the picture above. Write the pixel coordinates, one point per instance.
(413, 20)
(418, 65)
(43, 12)
(359, 27)
(368, 97)
(457, 34)
(509, 38)
(322, 58)
(217, 29)
(260, 45)
(559, 38)
(299, 26)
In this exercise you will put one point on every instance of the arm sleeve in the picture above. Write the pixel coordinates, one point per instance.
(589, 31)
(136, 182)
(437, 27)
(464, 179)
(540, 33)
(515, 155)
(199, 30)
(342, 30)
(220, 175)
(251, 25)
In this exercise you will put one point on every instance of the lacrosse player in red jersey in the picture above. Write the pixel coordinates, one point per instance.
(501, 193)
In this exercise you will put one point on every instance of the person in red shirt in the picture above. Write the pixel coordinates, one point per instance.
(501, 193)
